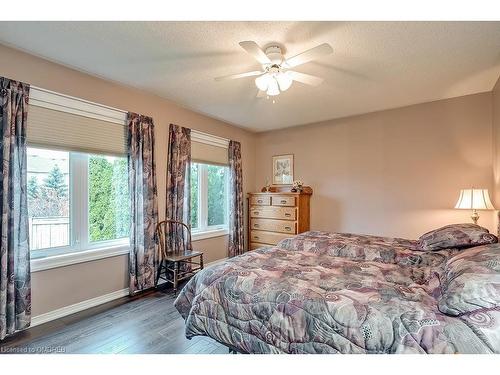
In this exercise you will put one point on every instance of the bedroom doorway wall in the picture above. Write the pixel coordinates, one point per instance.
(495, 99)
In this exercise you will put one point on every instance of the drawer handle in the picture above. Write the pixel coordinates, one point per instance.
(288, 215)
(256, 212)
(283, 201)
(256, 225)
(288, 228)
(255, 237)
(259, 201)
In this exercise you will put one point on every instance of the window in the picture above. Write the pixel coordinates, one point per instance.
(48, 198)
(209, 198)
(194, 195)
(76, 201)
(216, 195)
(109, 212)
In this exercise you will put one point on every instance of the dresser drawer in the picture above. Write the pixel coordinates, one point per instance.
(273, 225)
(257, 245)
(267, 237)
(283, 201)
(286, 213)
(260, 200)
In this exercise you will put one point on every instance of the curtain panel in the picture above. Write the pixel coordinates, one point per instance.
(236, 237)
(178, 184)
(143, 259)
(15, 277)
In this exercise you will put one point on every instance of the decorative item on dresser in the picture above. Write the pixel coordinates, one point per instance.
(277, 214)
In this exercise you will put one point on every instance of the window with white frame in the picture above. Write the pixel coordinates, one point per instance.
(209, 198)
(76, 201)
(77, 176)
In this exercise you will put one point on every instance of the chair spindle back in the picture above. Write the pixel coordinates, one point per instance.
(174, 237)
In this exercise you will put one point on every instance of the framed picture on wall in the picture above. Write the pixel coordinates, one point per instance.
(283, 169)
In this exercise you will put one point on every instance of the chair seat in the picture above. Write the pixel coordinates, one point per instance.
(188, 254)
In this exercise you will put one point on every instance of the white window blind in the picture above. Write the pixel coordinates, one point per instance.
(209, 149)
(62, 122)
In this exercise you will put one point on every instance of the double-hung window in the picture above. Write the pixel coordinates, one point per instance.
(77, 176)
(209, 198)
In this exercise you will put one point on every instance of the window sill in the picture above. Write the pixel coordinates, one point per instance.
(197, 236)
(63, 260)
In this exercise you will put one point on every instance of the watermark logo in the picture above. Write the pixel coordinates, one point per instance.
(32, 350)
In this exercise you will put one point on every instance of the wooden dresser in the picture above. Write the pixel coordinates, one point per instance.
(273, 216)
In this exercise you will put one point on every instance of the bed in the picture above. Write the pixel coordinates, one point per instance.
(322, 292)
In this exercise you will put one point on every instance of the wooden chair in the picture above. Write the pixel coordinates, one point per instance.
(176, 264)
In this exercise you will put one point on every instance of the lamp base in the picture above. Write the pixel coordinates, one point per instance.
(474, 216)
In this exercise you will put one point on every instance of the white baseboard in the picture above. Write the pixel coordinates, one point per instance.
(87, 304)
(77, 307)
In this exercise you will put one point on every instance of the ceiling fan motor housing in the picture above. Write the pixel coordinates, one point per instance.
(274, 53)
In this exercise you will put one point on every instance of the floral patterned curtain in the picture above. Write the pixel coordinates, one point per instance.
(236, 236)
(15, 277)
(144, 202)
(178, 184)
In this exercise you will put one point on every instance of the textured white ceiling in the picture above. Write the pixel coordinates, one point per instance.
(375, 65)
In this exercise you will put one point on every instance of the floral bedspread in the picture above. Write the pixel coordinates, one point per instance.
(365, 247)
(332, 297)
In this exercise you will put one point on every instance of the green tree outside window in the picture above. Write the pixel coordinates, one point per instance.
(109, 214)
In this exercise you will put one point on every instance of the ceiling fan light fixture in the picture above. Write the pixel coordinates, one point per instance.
(273, 88)
(274, 76)
(284, 81)
(262, 82)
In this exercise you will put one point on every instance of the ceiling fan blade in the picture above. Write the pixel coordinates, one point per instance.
(241, 75)
(261, 94)
(309, 55)
(253, 49)
(305, 78)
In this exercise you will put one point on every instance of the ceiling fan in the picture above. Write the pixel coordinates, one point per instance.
(276, 75)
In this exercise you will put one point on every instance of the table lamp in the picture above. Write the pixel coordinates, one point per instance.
(474, 199)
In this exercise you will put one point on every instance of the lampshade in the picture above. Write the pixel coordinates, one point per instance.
(474, 199)
(273, 88)
(284, 81)
(262, 82)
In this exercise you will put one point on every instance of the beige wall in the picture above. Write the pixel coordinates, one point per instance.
(395, 172)
(495, 98)
(55, 288)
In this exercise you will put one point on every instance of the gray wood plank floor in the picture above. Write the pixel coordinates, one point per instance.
(145, 324)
